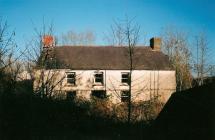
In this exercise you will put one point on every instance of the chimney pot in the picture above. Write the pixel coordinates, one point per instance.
(155, 43)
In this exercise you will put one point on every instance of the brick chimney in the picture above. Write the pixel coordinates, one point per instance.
(155, 43)
(48, 44)
(48, 41)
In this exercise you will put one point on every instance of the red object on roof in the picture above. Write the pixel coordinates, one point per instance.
(48, 40)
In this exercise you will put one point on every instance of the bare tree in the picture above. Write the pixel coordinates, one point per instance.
(34, 46)
(126, 33)
(9, 65)
(7, 45)
(142, 110)
(41, 62)
(212, 70)
(75, 38)
(116, 35)
(175, 45)
(202, 64)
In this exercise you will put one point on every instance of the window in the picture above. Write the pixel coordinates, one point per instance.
(125, 77)
(99, 94)
(70, 95)
(99, 77)
(125, 96)
(71, 78)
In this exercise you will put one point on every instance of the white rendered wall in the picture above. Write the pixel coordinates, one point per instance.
(146, 84)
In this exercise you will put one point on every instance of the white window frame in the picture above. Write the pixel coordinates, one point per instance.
(125, 78)
(102, 82)
(74, 78)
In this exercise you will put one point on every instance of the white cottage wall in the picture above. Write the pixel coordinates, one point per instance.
(146, 84)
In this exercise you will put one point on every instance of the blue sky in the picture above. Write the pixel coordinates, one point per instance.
(97, 15)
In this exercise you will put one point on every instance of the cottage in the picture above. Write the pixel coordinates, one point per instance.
(103, 72)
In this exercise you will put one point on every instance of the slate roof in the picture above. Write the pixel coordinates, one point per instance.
(110, 58)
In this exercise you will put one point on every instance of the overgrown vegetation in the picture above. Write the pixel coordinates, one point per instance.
(32, 117)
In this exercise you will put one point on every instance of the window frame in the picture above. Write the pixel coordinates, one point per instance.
(102, 95)
(125, 82)
(101, 78)
(71, 95)
(125, 97)
(69, 78)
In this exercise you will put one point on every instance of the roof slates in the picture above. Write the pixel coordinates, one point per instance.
(111, 58)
